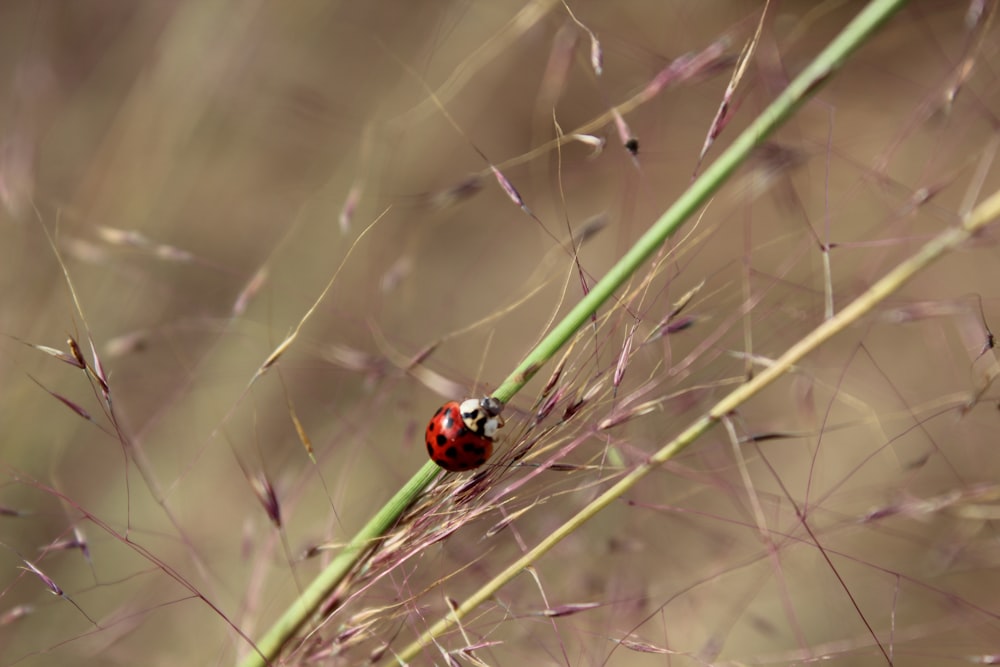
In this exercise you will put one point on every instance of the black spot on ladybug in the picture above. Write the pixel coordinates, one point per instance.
(451, 453)
(441, 440)
(430, 450)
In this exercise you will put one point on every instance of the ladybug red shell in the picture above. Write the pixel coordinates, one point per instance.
(460, 435)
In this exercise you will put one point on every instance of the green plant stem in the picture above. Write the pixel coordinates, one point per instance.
(800, 89)
(797, 92)
(310, 600)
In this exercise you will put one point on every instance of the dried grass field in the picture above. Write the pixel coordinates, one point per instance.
(247, 249)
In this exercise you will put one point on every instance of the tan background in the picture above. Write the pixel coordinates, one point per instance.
(228, 135)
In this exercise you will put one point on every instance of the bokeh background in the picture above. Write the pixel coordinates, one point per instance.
(181, 182)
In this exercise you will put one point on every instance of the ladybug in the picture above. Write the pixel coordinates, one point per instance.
(460, 435)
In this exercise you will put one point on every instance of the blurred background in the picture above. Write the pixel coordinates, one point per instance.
(183, 184)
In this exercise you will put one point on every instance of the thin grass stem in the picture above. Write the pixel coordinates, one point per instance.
(946, 241)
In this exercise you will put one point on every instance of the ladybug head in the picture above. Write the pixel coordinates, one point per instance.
(491, 406)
